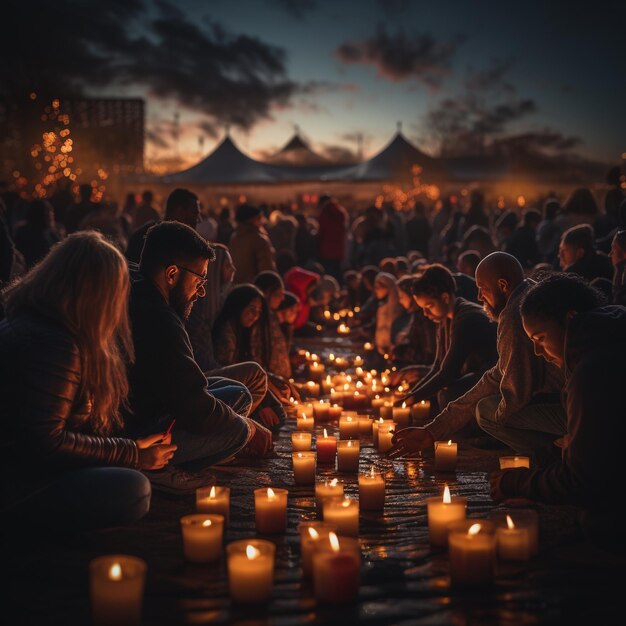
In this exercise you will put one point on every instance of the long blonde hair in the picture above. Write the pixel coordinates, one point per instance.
(83, 284)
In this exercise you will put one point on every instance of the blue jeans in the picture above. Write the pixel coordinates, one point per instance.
(87, 499)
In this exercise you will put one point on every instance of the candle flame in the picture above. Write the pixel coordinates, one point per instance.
(115, 572)
(350, 443)
(345, 503)
(446, 495)
(313, 533)
(333, 482)
(213, 492)
(314, 357)
(509, 522)
(334, 541)
(474, 529)
(372, 472)
(450, 442)
(328, 379)
(349, 418)
(303, 416)
(404, 405)
(252, 552)
(381, 420)
(270, 494)
(325, 434)
(299, 455)
(346, 387)
(331, 356)
(206, 523)
(423, 402)
(332, 390)
(292, 399)
(400, 389)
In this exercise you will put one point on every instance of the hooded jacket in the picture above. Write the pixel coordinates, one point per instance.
(298, 281)
(595, 362)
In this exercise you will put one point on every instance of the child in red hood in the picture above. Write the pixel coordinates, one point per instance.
(302, 283)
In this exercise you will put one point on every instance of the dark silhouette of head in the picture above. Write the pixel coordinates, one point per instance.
(497, 276)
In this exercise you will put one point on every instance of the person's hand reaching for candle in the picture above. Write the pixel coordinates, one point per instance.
(155, 451)
(408, 441)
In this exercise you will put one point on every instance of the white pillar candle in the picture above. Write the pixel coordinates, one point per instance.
(310, 534)
(304, 467)
(365, 425)
(472, 551)
(420, 411)
(214, 500)
(327, 489)
(202, 537)
(305, 423)
(372, 490)
(336, 570)
(442, 511)
(301, 441)
(270, 510)
(445, 456)
(344, 514)
(514, 542)
(320, 411)
(377, 402)
(402, 415)
(385, 437)
(250, 570)
(326, 447)
(507, 462)
(348, 455)
(116, 584)
(348, 427)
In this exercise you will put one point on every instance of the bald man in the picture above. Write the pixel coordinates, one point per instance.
(517, 400)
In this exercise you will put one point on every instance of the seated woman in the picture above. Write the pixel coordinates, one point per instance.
(63, 380)
(388, 311)
(287, 314)
(271, 284)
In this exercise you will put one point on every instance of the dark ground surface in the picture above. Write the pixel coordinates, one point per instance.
(404, 581)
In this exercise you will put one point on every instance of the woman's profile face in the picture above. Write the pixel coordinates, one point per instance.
(274, 298)
(291, 314)
(380, 290)
(250, 315)
(406, 301)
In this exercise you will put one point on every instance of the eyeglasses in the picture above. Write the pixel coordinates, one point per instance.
(202, 278)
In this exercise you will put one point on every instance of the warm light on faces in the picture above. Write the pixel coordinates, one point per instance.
(568, 255)
(380, 290)
(274, 298)
(435, 309)
(491, 296)
(406, 301)
(548, 338)
(251, 314)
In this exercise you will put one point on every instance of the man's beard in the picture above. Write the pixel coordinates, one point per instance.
(494, 313)
(180, 304)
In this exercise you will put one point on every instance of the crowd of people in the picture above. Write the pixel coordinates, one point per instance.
(142, 347)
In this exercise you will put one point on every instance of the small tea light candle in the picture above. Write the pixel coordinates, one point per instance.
(306, 408)
(440, 513)
(336, 570)
(348, 455)
(368, 346)
(472, 550)
(270, 510)
(214, 500)
(312, 389)
(342, 329)
(507, 462)
(372, 490)
(316, 370)
(386, 410)
(523, 519)
(336, 397)
(402, 415)
(116, 584)
(250, 570)
(365, 425)
(327, 489)
(305, 423)
(328, 384)
(334, 412)
(311, 533)
(358, 361)
(376, 426)
(320, 411)
(326, 448)
(514, 543)
(349, 427)
(301, 441)
(445, 456)
(303, 467)
(344, 514)
(202, 537)
(420, 411)
(385, 437)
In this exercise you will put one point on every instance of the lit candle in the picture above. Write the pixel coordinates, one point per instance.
(368, 346)
(270, 510)
(522, 518)
(445, 456)
(401, 415)
(250, 570)
(328, 384)
(316, 370)
(214, 500)
(386, 410)
(348, 427)
(372, 491)
(301, 441)
(336, 570)
(202, 537)
(358, 361)
(344, 514)
(420, 411)
(336, 397)
(365, 425)
(326, 448)
(116, 584)
(348, 455)
(327, 489)
(376, 425)
(306, 408)
(312, 389)
(385, 437)
(440, 513)
(334, 412)
(303, 467)
(514, 542)
(507, 462)
(472, 550)
(305, 423)
(310, 534)
(342, 329)
(320, 410)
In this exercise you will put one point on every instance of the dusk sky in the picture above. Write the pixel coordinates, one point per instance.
(551, 71)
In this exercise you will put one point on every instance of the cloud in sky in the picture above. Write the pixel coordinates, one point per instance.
(298, 9)
(401, 56)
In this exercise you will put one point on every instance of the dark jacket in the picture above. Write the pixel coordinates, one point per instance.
(44, 430)
(594, 265)
(465, 344)
(165, 379)
(588, 474)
